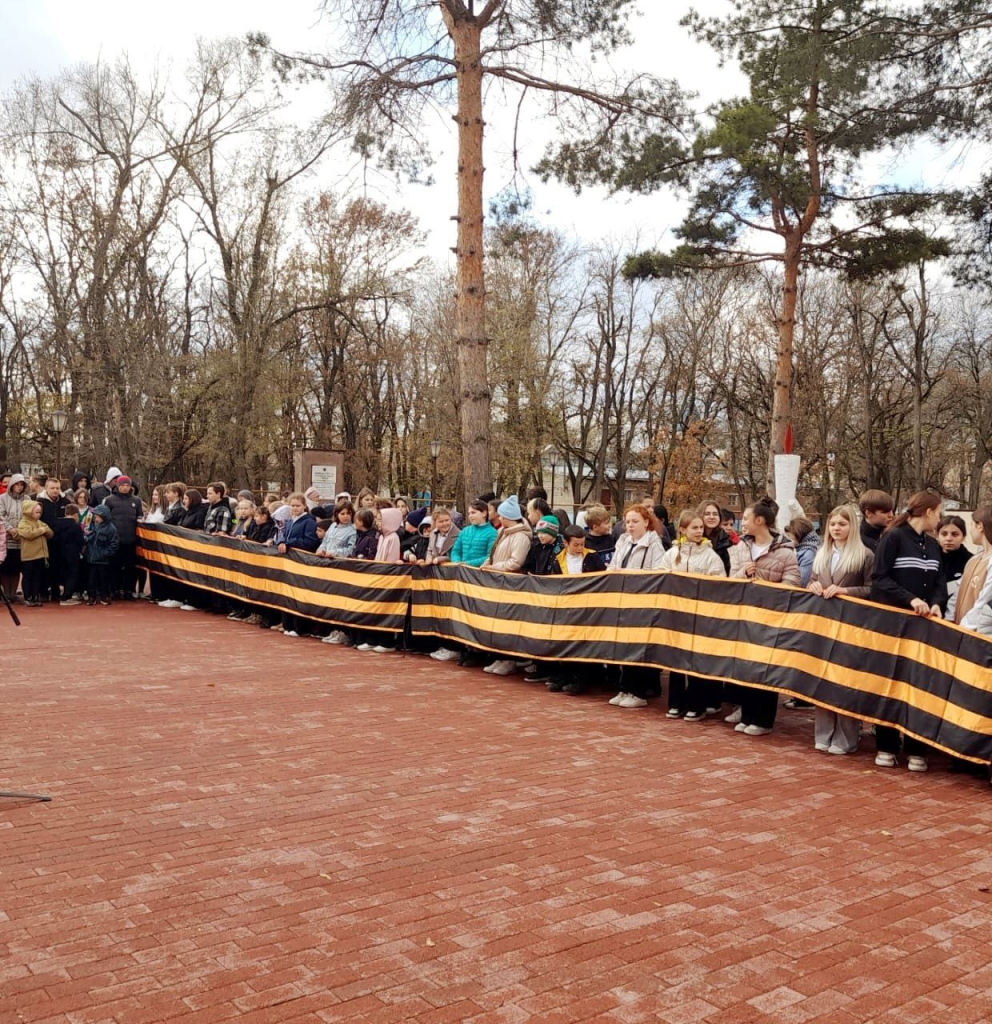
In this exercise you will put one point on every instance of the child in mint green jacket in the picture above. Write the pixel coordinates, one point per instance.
(475, 541)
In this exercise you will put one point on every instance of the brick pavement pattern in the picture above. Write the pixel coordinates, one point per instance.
(255, 828)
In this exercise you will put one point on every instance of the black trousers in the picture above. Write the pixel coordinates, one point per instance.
(101, 581)
(53, 576)
(33, 573)
(758, 707)
(640, 681)
(687, 693)
(887, 741)
(10, 571)
(125, 568)
(70, 577)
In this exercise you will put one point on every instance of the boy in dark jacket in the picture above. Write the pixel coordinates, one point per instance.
(545, 547)
(125, 512)
(101, 548)
(69, 542)
(877, 511)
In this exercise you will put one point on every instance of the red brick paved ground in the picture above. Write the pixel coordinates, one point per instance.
(251, 827)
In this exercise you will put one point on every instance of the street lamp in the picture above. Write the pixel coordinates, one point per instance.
(551, 454)
(435, 447)
(59, 419)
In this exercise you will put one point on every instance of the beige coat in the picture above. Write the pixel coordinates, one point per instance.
(510, 549)
(700, 559)
(33, 534)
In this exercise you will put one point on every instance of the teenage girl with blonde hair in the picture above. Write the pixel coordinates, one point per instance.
(842, 568)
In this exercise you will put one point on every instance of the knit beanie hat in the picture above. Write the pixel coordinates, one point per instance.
(246, 495)
(548, 525)
(510, 508)
(416, 517)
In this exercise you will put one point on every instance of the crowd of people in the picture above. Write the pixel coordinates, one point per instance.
(80, 545)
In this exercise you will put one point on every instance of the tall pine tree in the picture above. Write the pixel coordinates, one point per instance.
(777, 175)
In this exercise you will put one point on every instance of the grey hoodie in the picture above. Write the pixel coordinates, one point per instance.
(10, 509)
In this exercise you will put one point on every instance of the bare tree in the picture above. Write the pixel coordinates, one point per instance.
(398, 55)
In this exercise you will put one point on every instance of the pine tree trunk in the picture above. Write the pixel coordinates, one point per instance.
(782, 394)
(470, 317)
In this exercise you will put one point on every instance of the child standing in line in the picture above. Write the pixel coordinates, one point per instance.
(972, 608)
(34, 535)
(692, 552)
(954, 556)
(387, 550)
(842, 568)
(762, 554)
(908, 574)
(70, 541)
(877, 512)
(100, 550)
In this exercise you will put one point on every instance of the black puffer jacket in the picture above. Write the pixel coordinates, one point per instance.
(541, 560)
(195, 517)
(125, 511)
(260, 532)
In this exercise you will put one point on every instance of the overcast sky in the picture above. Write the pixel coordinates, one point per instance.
(41, 36)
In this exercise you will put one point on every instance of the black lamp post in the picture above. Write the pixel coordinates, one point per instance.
(59, 420)
(435, 447)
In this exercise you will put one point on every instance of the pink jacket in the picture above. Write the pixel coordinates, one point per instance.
(776, 565)
(3, 542)
(388, 549)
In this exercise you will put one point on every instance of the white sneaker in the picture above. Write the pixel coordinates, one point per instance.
(615, 701)
(630, 701)
(290, 632)
(186, 608)
(383, 650)
(490, 666)
(365, 647)
(331, 638)
(917, 763)
(756, 730)
(712, 711)
(170, 604)
(740, 727)
(840, 750)
(823, 748)
(695, 716)
(444, 654)
(734, 717)
(673, 713)
(504, 668)
(884, 760)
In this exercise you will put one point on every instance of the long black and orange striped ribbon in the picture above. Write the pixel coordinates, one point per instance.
(932, 680)
(370, 595)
